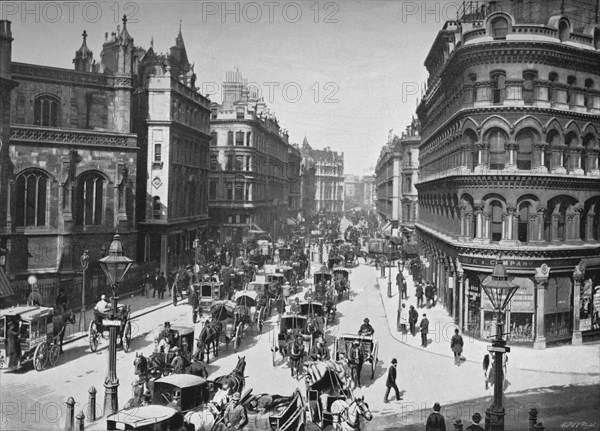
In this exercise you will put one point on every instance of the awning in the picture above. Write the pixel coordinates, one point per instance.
(256, 229)
(291, 221)
(387, 229)
(5, 289)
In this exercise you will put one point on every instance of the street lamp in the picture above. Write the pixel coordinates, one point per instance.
(500, 291)
(85, 261)
(115, 265)
(389, 287)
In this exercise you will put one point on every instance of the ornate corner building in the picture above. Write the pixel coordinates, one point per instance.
(329, 178)
(388, 185)
(510, 128)
(255, 179)
(68, 159)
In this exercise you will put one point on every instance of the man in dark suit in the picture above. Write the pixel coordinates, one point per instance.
(435, 421)
(413, 316)
(424, 330)
(391, 382)
(475, 425)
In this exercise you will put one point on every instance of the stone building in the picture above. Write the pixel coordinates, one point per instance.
(68, 160)
(388, 184)
(358, 191)
(254, 171)
(409, 146)
(329, 178)
(308, 186)
(172, 120)
(508, 160)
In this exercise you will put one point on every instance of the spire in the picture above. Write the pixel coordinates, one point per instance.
(124, 37)
(179, 38)
(152, 42)
(83, 56)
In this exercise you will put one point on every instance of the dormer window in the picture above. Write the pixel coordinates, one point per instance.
(564, 32)
(499, 28)
(45, 111)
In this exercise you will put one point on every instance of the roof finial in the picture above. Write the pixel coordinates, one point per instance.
(152, 42)
(124, 21)
(84, 34)
(179, 26)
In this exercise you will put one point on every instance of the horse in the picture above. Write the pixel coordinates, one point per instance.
(138, 395)
(202, 418)
(210, 334)
(60, 322)
(296, 352)
(236, 379)
(355, 361)
(346, 416)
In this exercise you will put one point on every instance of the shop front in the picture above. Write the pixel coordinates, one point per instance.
(589, 304)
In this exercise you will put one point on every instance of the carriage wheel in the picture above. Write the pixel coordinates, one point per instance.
(54, 354)
(238, 337)
(374, 360)
(40, 357)
(93, 336)
(126, 337)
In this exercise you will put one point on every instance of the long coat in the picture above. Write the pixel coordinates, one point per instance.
(13, 347)
(391, 377)
(456, 343)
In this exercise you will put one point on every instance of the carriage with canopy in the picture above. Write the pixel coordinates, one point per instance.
(264, 296)
(102, 323)
(341, 281)
(316, 314)
(248, 310)
(206, 293)
(369, 347)
(285, 254)
(289, 326)
(225, 312)
(36, 332)
(145, 418)
(178, 338)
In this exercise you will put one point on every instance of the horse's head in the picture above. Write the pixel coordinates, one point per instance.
(363, 407)
(140, 363)
(241, 365)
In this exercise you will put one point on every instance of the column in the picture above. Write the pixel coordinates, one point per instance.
(479, 215)
(468, 224)
(514, 221)
(541, 221)
(461, 298)
(541, 285)
(577, 284)
(452, 293)
(554, 227)
(465, 308)
(511, 148)
(486, 226)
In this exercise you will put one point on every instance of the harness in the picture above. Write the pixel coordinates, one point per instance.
(346, 412)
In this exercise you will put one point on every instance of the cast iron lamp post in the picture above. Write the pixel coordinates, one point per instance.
(115, 265)
(85, 261)
(500, 291)
(389, 286)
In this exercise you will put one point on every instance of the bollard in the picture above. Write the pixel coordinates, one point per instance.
(80, 426)
(539, 427)
(70, 420)
(91, 413)
(487, 420)
(532, 418)
(458, 425)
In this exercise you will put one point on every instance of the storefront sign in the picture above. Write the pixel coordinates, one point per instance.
(515, 263)
(585, 324)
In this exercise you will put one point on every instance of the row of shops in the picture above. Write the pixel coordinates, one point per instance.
(558, 299)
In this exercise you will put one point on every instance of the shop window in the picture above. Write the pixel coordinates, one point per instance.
(45, 111)
(90, 200)
(31, 199)
(589, 304)
(496, 221)
(499, 28)
(521, 327)
(498, 81)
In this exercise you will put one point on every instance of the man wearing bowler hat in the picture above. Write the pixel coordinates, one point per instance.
(475, 425)
(235, 416)
(391, 382)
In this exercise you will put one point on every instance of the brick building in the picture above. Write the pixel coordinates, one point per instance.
(509, 167)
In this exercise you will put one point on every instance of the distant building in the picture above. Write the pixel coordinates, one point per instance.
(358, 191)
(329, 178)
(255, 182)
(388, 183)
(508, 160)
(68, 161)
(172, 120)
(409, 144)
(370, 193)
(308, 186)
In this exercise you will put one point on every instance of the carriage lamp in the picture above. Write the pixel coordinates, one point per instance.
(85, 261)
(500, 291)
(115, 265)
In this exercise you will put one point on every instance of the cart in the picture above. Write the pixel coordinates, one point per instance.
(341, 277)
(247, 310)
(295, 323)
(36, 332)
(370, 348)
(225, 313)
(102, 323)
(323, 276)
(207, 291)
(264, 298)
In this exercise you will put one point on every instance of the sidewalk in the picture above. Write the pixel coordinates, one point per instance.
(560, 359)
(140, 305)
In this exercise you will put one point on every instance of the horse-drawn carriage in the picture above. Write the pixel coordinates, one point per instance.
(193, 391)
(368, 346)
(285, 254)
(275, 412)
(206, 292)
(102, 323)
(248, 311)
(290, 326)
(38, 342)
(143, 418)
(316, 314)
(341, 281)
(264, 297)
(225, 314)
(348, 251)
(167, 344)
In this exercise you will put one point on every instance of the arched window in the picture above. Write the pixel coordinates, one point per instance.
(553, 140)
(525, 140)
(499, 28)
(553, 78)
(528, 91)
(564, 32)
(469, 141)
(45, 111)
(496, 140)
(498, 80)
(90, 200)
(572, 141)
(473, 79)
(496, 221)
(523, 226)
(31, 199)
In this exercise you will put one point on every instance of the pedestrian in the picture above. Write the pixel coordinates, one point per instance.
(402, 319)
(235, 416)
(428, 295)
(456, 344)
(435, 421)
(434, 292)
(147, 284)
(424, 325)
(413, 316)
(171, 285)
(155, 284)
(419, 295)
(178, 362)
(476, 418)
(391, 382)
(162, 285)
(175, 401)
(399, 278)
(35, 297)
(61, 302)
(13, 345)
(486, 367)
(404, 289)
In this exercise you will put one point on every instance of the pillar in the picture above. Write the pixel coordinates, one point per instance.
(479, 218)
(541, 285)
(465, 308)
(461, 297)
(541, 221)
(486, 226)
(578, 275)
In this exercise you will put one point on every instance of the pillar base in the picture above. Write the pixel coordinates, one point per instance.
(494, 419)
(111, 397)
(577, 339)
(539, 343)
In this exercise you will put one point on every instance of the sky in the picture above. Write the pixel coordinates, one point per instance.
(340, 73)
